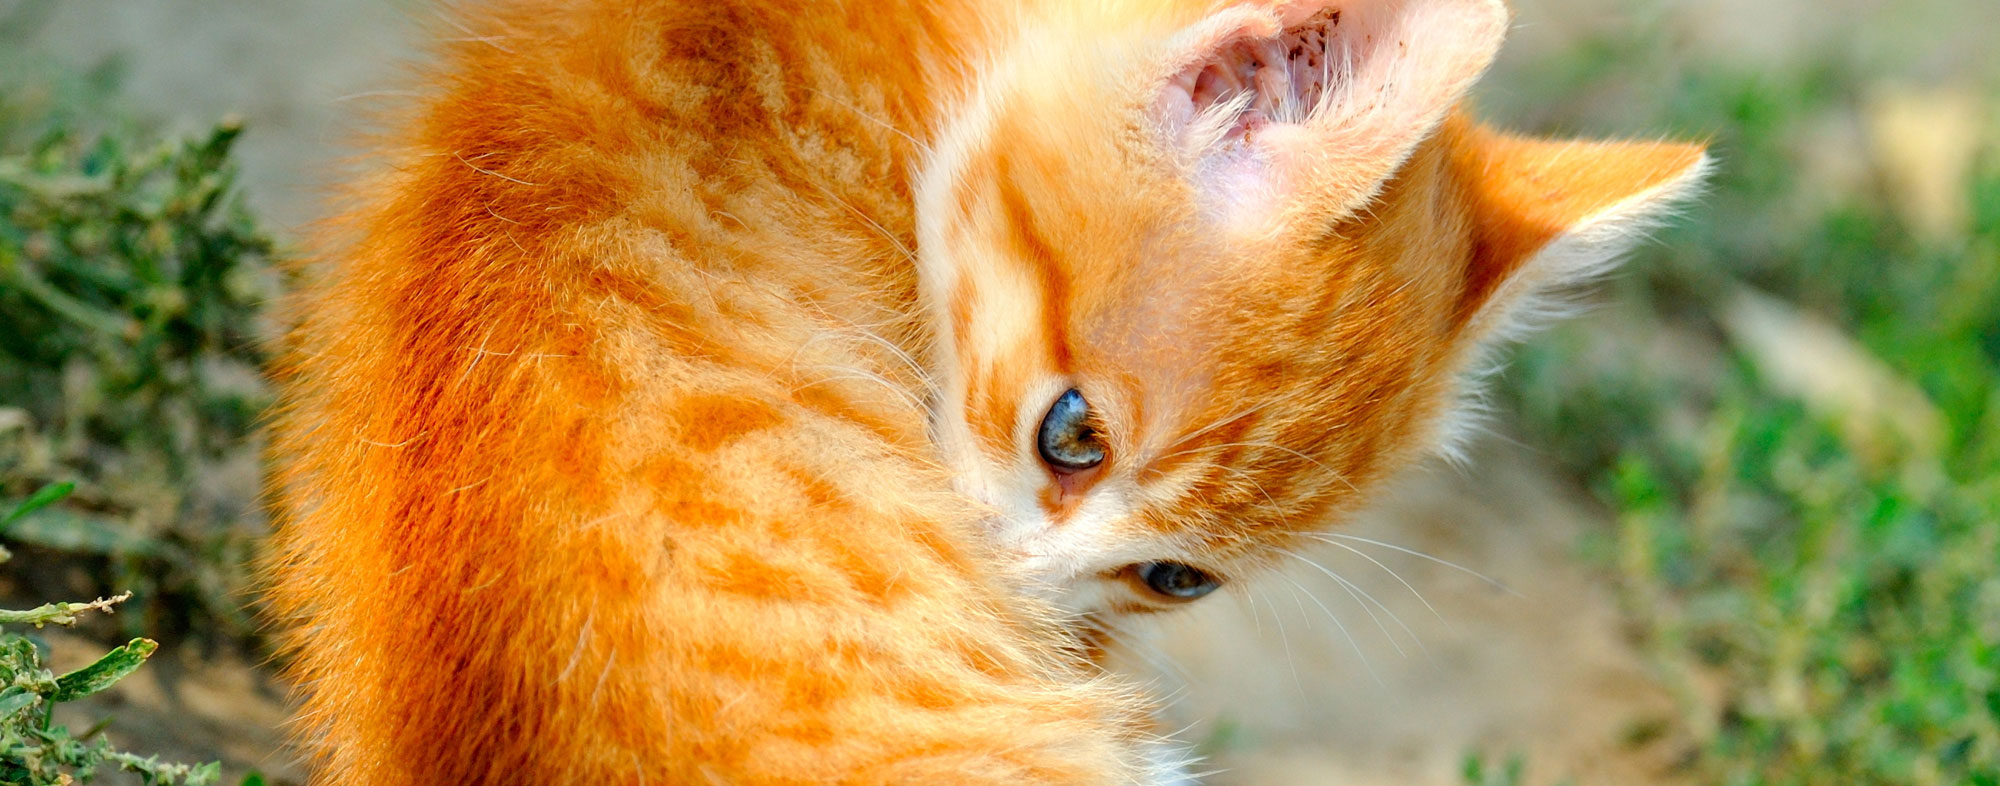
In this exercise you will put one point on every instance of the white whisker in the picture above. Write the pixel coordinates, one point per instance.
(473, 35)
(1256, 623)
(1301, 590)
(1240, 414)
(1252, 480)
(923, 379)
(879, 229)
(1496, 583)
(1362, 598)
(1146, 652)
(858, 374)
(1290, 660)
(1397, 576)
(920, 146)
(1331, 472)
(476, 168)
(1349, 635)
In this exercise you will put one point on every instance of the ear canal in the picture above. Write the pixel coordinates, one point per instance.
(1281, 111)
(1547, 212)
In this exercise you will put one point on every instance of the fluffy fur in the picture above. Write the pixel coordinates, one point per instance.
(604, 455)
(1264, 245)
(599, 460)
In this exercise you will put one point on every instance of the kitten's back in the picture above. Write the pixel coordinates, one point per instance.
(598, 461)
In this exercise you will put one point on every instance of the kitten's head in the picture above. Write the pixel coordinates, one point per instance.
(1204, 276)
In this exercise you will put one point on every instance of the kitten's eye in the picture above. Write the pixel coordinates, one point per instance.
(1066, 440)
(1174, 580)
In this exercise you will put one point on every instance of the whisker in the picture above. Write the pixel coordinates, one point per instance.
(1336, 474)
(922, 376)
(476, 168)
(1173, 697)
(1496, 583)
(1351, 642)
(1309, 595)
(916, 369)
(1252, 480)
(925, 149)
(1362, 598)
(860, 375)
(1147, 652)
(1188, 727)
(472, 35)
(1331, 472)
(1240, 414)
(1256, 623)
(1290, 660)
(1398, 577)
(908, 255)
(1197, 449)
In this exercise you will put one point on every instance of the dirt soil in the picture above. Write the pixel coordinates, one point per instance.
(1428, 662)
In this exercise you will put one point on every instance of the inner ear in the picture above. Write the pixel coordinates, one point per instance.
(1253, 72)
(1280, 112)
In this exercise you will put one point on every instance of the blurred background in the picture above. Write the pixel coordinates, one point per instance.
(1737, 524)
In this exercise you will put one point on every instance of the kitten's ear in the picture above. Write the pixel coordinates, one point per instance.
(1281, 111)
(1548, 212)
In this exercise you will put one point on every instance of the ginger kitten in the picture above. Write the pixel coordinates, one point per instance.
(604, 456)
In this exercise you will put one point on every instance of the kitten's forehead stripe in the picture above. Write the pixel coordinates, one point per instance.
(1031, 246)
(960, 306)
(986, 392)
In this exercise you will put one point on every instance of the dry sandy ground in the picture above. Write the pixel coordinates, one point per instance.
(1447, 664)
(1545, 670)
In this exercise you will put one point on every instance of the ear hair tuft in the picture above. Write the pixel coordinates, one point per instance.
(1303, 111)
(1245, 81)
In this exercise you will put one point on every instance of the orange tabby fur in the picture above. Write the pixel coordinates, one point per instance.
(595, 465)
(1271, 304)
(602, 457)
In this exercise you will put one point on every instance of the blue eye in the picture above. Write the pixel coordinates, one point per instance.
(1176, 581)
(1066, 439)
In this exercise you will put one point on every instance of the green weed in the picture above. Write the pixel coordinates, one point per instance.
(1815, 571)
(34, 751)
(130, 279)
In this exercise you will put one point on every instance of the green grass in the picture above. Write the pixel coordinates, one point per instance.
(1819, 583)
(130, 282)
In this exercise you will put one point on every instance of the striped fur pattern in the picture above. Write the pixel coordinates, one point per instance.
(614, 401)
(601, 458)
(1266, 245)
